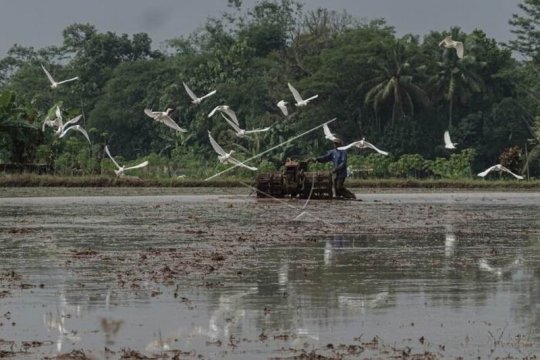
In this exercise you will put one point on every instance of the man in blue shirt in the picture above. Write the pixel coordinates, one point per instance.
(339, 159)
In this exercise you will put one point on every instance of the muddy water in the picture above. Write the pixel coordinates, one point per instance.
(437, 275)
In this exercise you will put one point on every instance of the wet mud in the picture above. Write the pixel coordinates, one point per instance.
(393, 275)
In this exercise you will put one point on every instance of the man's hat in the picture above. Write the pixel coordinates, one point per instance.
(337, 141)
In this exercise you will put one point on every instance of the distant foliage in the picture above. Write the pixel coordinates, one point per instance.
(401, 93)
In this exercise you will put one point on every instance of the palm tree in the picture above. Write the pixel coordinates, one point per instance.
(394, 81)
(456, 79)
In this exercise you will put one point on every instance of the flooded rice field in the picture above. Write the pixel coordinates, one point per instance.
(205, 276)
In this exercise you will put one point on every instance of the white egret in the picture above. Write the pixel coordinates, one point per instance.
(298, 98)
(226, 157)
(79, 128)
(362, 144)
(499, 168)
(163, 117)
(448, 144)
(225, 109)
(54, 84)
(121, 169)
(47, 122)
(449, 43)
(241, 132)
(282, 105)
(61, 128)
(195, 99)
(328, 134)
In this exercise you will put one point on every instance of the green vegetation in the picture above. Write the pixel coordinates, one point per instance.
(400, 93)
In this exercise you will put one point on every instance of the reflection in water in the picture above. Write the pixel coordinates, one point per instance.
(230, 311)
(283, 276)
(449, 242)
(394, 282)
(362, 302)
(499, 271)
(57, 322)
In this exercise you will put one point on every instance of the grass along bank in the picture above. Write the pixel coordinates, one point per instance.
(33, 180)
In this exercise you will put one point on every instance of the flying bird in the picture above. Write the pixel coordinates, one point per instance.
(241, 132)
(79, 128)
(449, 43)
(363, 144)
(282, 105)
(226, 110)
(163, 117)
(121, 169)
(61, 128)
(226, 157)
(197, 100)
(328, 134)
(298, 98)
(54, 84)
(499, 168)
(448, 144)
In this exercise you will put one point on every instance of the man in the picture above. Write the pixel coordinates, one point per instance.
(339, 159)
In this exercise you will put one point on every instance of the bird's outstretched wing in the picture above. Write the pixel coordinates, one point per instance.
(510, 172)
(150, 113)
(190, 93)
(282, 105)
(485, 172)
(48, 75)
(231, 114)
(65, 81)
(459, 49)
(253, 131)
(236, 162)
(327, 133)
(295, 93)
(166, 119)
(143, 164)
(214, 111)
(208, 95)
(231, 122)
(448, 144)
(370, 145)
(73, 121)
(217, 148)
(79, 129)
(109, 154)
(347, 147)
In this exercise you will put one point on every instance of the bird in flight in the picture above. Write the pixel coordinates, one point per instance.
(226, 157)
(363, 144)
(54, 84)
(163, 117)
(448, 144)
(328, 134)
(61, 128)
(241, 132)
(449, 43)
(298, 98)
(282, 105)
(121, 169)
(226, 109)
(194, 98)
(499, 168)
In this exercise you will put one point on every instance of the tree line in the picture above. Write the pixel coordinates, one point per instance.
(401, 93)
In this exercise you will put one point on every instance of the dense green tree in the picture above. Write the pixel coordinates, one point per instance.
(526, 27)
(394, 83)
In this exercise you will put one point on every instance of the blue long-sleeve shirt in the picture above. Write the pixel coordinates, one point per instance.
(339, 159)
